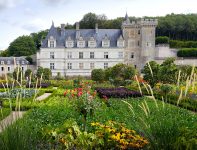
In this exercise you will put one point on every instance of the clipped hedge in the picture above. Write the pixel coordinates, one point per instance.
(187, 52)
(183, 44)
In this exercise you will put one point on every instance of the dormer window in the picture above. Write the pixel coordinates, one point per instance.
(2, 62)
(69, 43)
(92, 42)
(120, 42)
(106, 42)
(23, 62)
(8, 62)
(51, 42)
(17, 62)
(80, 43)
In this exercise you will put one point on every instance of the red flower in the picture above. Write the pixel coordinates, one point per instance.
(105, 97)
(80, 93)
(80, 89)
(65, 93)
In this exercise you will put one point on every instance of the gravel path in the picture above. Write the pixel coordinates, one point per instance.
(42, 97)
(11, 119)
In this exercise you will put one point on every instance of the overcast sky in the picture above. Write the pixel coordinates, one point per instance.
(22, 17)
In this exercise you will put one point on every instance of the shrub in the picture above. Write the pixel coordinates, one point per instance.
(187, 52)
(162, 40)
(98, 75)
(29, 59)
(183, 44)
(117, 93)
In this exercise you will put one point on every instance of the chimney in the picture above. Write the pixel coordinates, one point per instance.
(96, 28)
(77, 30)
(62, 29)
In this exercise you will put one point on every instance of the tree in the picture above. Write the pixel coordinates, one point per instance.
(162, 40)
(38, 37)
(44, 72)
(98, 75)
(29, 59)
(168, 71)
(22, 46)
(4, 53)
(28, 72)
(18, 74)
(47, 74)
(151, 73)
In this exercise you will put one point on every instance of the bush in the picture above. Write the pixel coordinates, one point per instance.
(98, 75)
(162, 40)
(117, 93)
(183, 44)
(187, 52)
(29, 59)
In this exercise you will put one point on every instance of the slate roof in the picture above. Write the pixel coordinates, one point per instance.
(10, 60)
(112, 34)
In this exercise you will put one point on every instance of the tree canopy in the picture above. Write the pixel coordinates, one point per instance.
(22, 46)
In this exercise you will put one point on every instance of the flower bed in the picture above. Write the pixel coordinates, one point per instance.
(117, 93)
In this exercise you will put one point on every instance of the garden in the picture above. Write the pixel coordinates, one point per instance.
(116, 109)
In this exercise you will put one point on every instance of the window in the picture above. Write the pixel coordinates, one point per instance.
(148, 44)
(80, 65)
(135, 66)
(23, 62)
(52, 44)
(91, 54)
(120, 54)
(69, 44)
(8, 68)
(91, 65)
(138, 43)
(106, 55)
(8, 62)
(81, 55)
(22, 68)
(52, 66)
(69, 66)
(105, 65)
(132, 55)
(138, 31)
(2, 62)
(91, 43)
(69, 55)
(17, 62)
(105, 43)
(2, 68)
(80, 44)
(52, 56)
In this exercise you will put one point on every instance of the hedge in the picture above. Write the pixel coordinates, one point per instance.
(187, 52)
(183, 44)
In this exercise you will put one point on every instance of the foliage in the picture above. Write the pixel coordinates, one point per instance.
(187, 139)
(161, 40)
(44, 72)
(116, 135)
(4, 112)
(29, 59)
(70, 136)
(17, 74)
(117, 93)
(187, 52)
(166, 89)
(38, 37)
(183, 44)
(151, 73)
(120, 74)
(4, 53)
(97, 75)
(168, 71)
(22, 46)
(28, 72)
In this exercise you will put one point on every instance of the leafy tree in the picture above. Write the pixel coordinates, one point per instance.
(17, 74)
(151, 73)
(98, 75)
(44, 72)
(28, 72)
(4, 53)
(47, 74)
(29, 59)
(22, 46)
(168, 71)
(38, 37)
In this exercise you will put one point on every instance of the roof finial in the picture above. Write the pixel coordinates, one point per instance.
(127, 20)
(52, 23)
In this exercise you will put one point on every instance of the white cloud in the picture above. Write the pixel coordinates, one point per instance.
(55, 2)
(35, 25)
(9, 3)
